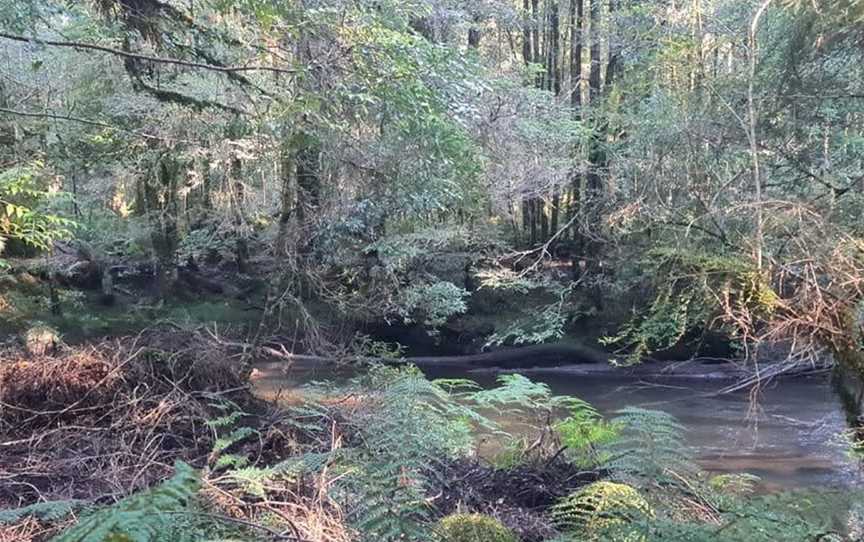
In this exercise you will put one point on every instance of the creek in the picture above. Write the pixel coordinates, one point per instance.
(790, 433)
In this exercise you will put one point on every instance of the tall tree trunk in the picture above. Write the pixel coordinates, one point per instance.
(752, 134)
(576, 15)
(528, 55)
(474, 33)
(594, 81)
(308, 176)
(554, 75)
(238, 196)
(527, 51)
(161, 201)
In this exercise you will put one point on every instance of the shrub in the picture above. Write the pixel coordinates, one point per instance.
(473, 528)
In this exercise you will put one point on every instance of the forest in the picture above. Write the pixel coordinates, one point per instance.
(431, 270)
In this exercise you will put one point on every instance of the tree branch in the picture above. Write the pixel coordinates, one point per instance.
(31, 114)
(148, 58)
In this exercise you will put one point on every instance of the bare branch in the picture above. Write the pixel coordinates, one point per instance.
(31, 114)
(148, 58)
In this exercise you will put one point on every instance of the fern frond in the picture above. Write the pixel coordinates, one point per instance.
(598, 507)
(649, 449)
(48, 511)
(144, 517)
(254, 480)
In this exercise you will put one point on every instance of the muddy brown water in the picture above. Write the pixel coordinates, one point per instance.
(790, 436)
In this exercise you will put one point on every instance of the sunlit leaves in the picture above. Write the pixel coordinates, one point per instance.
(22, 214)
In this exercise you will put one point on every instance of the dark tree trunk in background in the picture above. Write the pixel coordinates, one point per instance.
(595, 153)
(553, 71)
(474, 33)
(528, 58)
(576, 14)
(161, 203)
(308, 176)
(206, 184)
(526, 35)
(286, 207)
(238, 196)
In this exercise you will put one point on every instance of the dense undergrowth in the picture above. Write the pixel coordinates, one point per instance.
(156, 437)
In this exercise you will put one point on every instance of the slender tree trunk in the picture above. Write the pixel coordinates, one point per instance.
(528, 35)
(576, 33)
(238, 196)
(576, 22)
(554, 49)
(752, 134)
(594, 81)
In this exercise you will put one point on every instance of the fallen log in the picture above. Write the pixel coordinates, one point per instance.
(538, 355)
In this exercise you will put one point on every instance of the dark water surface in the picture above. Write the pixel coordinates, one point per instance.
(790, 436)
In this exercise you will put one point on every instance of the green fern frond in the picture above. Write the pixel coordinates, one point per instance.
(48, 511)
(254, 480)
(411, 427)
(598, 507)
(650, 448)
(585, 433)
(144, 517)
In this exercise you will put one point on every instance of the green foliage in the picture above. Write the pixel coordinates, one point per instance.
(205, 243)
(473, 528)
(229, 432)
(813, 516)
(46, 511)
(737, 484)
(256, 481)
(23, 196)
(433, 303)
(411, 427)
(650, 449)
(587, 435)
(516, 391)
(150, 516)
(536, 324)
(366, 346)
(592, 511)
(693, 291)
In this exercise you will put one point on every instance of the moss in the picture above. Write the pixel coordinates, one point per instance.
(473, 528)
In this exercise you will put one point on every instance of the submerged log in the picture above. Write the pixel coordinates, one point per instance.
(539, 355)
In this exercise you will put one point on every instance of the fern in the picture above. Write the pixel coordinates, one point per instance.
(411, 427)
(598, 507)
(144, 517)
(736, 484)
(585, 434)
(813, 516)
(254, 480)
(650, 448)
(48, 511)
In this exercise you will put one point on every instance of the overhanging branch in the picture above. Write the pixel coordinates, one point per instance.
(148, 58)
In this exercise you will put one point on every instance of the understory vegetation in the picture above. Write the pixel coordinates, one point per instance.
(388, 455)
(194, 191)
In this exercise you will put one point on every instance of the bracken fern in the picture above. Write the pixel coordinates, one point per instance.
(150, 516)
(650, 449)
